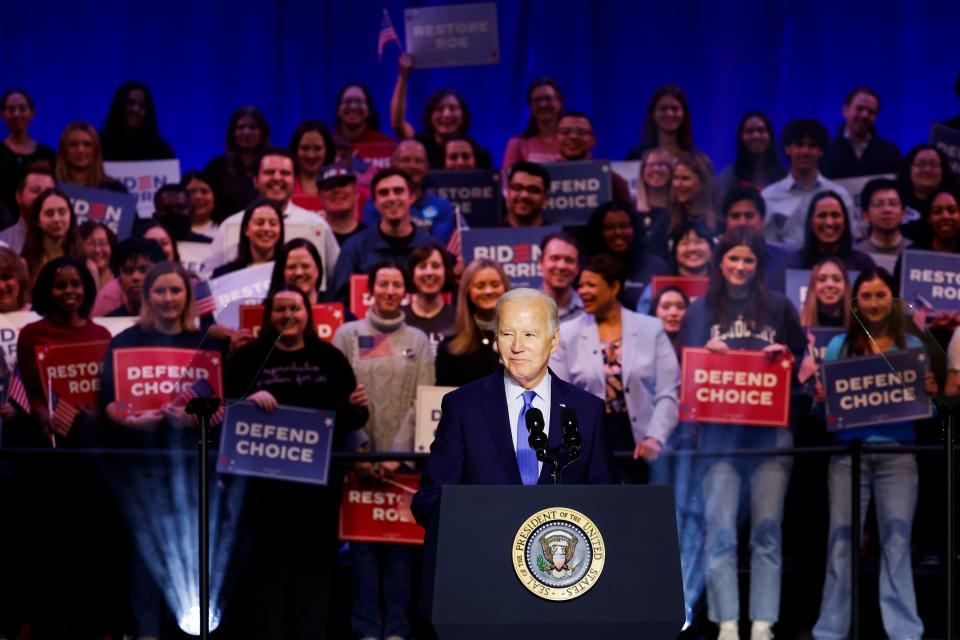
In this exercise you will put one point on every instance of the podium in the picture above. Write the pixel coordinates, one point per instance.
(492, 552)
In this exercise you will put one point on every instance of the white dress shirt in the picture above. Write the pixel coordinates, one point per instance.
(515, 405)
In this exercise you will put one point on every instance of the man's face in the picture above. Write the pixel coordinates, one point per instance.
(34, 185)
(744, 213)
(526, 196)
(804, 154)
(339, 196)
(274, 181)
(392, 198)
(173, 204)
(885, 212)
(412, 158)
(559, 264)
(131, 277)
(525, 341)
(861, 114)
(575, 138)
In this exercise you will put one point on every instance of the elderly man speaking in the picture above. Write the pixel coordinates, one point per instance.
(482, 436)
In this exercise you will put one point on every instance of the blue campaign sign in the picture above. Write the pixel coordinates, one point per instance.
(797, 281)
(576, 189)
(453, 36)
(114, 209)
(820, 337)
(947, 140)
(876, 389)
(930, 278)
(289, 444)
(475, 193)
(517, 250)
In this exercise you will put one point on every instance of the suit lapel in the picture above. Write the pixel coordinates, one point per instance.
(628, 336)
(498, 421)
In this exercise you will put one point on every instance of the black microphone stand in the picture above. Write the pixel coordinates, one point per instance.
(204, 408)
(949, 407)
(561, 456)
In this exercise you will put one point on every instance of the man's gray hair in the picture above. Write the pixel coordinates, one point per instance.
(525, 294)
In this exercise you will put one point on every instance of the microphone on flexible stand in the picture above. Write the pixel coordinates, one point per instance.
(537, 439)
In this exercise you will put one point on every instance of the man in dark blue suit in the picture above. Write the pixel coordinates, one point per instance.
(482, 437)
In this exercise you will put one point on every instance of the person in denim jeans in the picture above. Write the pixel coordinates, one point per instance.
(879, 326)
(738, 312)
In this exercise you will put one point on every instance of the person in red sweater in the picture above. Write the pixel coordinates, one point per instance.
(63, 295)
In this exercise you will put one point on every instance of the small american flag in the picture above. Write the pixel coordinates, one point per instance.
(205, 302)
(199, 389)
(63, 412)
(378, 346)
(808, 368)
(387, 34)
(17, 392)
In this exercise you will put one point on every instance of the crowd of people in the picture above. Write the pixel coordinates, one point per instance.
(780, 205)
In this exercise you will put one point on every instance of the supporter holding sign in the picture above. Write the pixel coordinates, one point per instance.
(19, 149)
(880, 327)
(538, 141)
(261, 232)
(428, 211)
(743, 206)
(233, 174)
(444, 113)
(693, 251)
(202, 202)
(469, 353)
(131, 131)
(51, 232)
(528, 190)
(139, 393)
(99, 242)
(614, 228)
(63, 295)
(757, 163)
(827, 303)
(431, 270)
(294, 552)
(274, 181)
(626, 359)
(739, 312)
(357, 119)
(312, 149)
(653, 192)
(391, 359)
(80, 159)
(38, 177)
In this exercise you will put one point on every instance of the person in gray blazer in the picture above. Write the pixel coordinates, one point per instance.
(626, 359)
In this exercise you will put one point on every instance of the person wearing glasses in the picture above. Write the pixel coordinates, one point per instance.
(528, 190)
(576, 141)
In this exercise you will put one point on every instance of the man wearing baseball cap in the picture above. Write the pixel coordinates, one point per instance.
(338, 198)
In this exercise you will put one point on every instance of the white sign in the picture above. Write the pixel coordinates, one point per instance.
(142, 179)
(428, 415)
(240, 287)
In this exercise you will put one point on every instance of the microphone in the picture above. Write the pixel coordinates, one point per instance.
(571, 432)
(535, 425)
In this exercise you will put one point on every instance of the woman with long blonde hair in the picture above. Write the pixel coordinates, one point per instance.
(469, 353)
(80, 158)
(828, 295)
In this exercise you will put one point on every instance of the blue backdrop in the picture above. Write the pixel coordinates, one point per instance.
(290, 57)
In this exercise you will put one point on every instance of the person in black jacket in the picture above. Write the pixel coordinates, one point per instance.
(857, 151)
(131, 131)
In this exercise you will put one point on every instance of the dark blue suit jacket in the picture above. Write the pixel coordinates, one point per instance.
(474, 443)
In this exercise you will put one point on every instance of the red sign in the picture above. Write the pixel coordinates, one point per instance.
(147, 378)
(360, 297)
(308, 201)
(328, 317)
(73, 371)
(693, 286)
(375, 511)
(739, 387)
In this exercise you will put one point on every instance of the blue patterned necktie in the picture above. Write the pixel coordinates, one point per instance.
(526, 457)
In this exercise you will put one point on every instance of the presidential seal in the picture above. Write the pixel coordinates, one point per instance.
(558, 554)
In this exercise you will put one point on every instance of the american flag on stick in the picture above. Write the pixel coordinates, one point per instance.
(387, 34)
